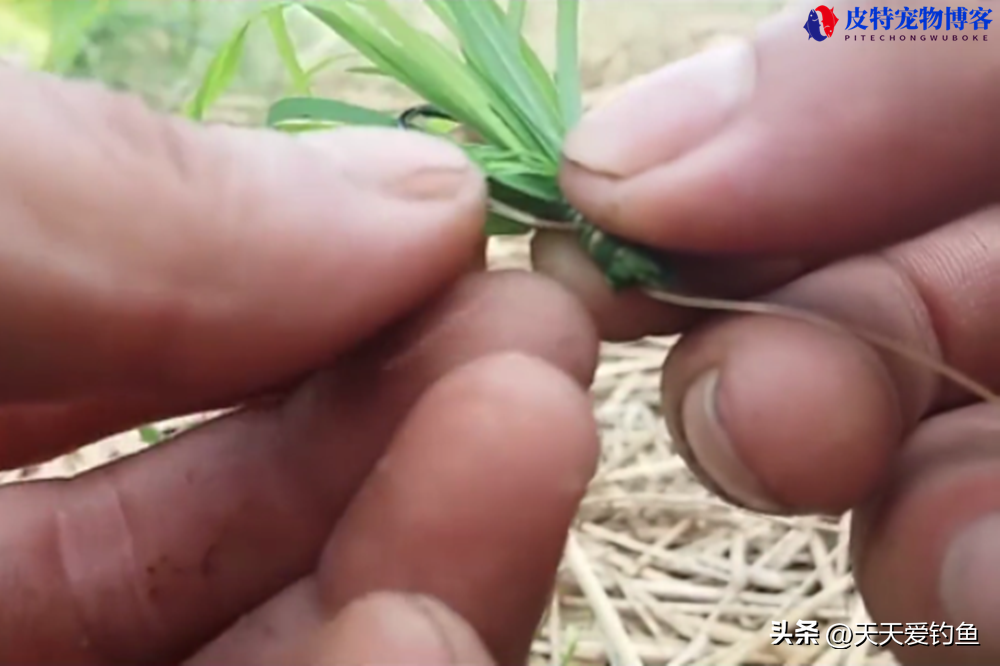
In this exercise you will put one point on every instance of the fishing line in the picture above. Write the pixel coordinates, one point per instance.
(526, 219)
(877, 339)
(716, 304)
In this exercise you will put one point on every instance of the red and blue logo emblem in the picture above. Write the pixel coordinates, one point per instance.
(820, 23)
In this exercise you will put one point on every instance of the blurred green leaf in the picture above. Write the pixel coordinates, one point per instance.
(498, 225)
(316, 110)
(52, 33)
(26, 29)
(568, 61)
(286, 50)
(497, 56)
(221, 72)
(516, 12)
(150, 434)
(326, 62)
(71, 22)
(417, 61)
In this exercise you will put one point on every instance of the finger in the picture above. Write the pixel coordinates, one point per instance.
(398, 630)
(926, 551)
(483, 463)
(729, 386)
(145, 254)
(470, 506)
(378, 629)
(631, 314)
(160, 552)
(784, 145)
(37, 432)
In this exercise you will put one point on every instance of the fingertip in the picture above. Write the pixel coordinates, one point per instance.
(578, 352)
(518, 310)
(800, 420)
(398, 629)
(412, 166)
(654, 122)
(499, 451)
(536, 396)
(662, 115)
(752, 148)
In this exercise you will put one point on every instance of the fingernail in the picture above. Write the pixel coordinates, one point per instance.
(463, 642)
(711, 449)
(970, 579)
(405, 165)
(389, 628)
(662, 115)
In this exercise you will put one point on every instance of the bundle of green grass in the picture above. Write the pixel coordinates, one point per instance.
(512, 112)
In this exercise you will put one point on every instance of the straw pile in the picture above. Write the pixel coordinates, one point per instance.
(656, 570)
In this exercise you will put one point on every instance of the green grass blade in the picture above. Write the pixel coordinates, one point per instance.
(316, 110)
(537, 187)
(517, 10)
(350, 26)
(368, 70)
(510, 189)
(497, 54)
(568, 61)
(527, 139)
(381, 52)
(325, 63)
(150, 434)
(569, 653)
(220, 73)
(540, 75)
(499, 225)
(286, 50)
(442, 9)
(427, 55)
(440, 78)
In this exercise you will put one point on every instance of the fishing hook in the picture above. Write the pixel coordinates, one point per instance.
(406, 118)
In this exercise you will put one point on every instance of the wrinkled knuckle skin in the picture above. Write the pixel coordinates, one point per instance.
(130, 588)
(130, 205)
(63, 122)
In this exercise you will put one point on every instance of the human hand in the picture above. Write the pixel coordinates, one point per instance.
(416, 427)
(856, 179)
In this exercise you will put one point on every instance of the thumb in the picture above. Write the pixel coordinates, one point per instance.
(790, 145)
(148, 256)
(388, 629)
